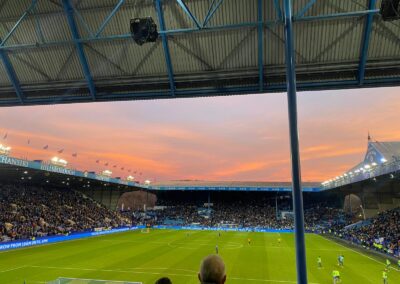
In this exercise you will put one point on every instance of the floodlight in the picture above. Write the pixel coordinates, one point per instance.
(107, 173)
(390, 10)
(143, 30)
(383, 160)
(5, 150)
(58, 162)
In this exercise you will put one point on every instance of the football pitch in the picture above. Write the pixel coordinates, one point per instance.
(144, 257)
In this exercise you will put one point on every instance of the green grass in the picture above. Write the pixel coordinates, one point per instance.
(135, 256)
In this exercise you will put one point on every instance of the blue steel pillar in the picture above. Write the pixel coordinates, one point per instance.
(294, 146)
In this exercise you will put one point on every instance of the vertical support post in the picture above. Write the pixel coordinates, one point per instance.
(208, 204)
(111, 193)
(294, 146)
(365, 42)
(260, 45)
(166, 47)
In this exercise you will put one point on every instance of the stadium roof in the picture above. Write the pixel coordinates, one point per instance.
(381, 158)
(81, 50)
(13, 169)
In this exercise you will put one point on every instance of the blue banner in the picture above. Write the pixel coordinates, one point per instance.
(246, 229)
(57, 239)
(233, 188)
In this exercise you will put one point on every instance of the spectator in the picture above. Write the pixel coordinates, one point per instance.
(212, 270)
(164, 280)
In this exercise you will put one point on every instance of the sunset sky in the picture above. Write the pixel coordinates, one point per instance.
(238, 138)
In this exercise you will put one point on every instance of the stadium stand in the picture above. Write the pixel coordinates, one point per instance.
(28, 212)
(381, 233)
(241, 211)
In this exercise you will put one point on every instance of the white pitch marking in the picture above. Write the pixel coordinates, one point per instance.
(12, 269)
(360, 253)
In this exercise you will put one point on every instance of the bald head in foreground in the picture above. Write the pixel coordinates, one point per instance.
(212, 270)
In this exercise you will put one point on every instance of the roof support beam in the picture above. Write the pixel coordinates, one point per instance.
(260, 45)
(365, 43)
(335, 16)
(307, 7)
(69, 11)
(12, 75)
(82, 20)
(185, 8)
(109, 17)
(26, 13)
(211, 12)
(278, 9)
(38, 27)
(166, 47)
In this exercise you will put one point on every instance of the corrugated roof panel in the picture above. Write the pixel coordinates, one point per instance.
(147, 59)
(32, 30)
(43, 65)
(228, 12)
(12, 10)
(274, 48)
(187, 54)
(71, 68)
(4, 81)
(216, 51)
(25, 33)
(53, 27)
(104, 59)
(132, 58)
(384, 41)
(328, 41)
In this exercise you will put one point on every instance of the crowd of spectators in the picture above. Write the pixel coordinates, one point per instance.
(254, 214)
(30, 212)
(381, 232)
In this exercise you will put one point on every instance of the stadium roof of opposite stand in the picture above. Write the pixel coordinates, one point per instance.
(39, 172)
(45, 60)
(381, 158)
(232, 185)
